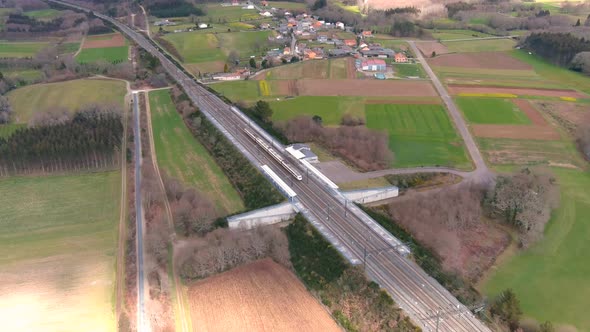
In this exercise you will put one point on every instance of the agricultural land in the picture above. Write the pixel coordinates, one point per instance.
(263, 296)
(184, 158)
(58, 244)
(69, 95)
(108, 47)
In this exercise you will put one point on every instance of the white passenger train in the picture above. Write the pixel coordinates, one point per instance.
(274, 154)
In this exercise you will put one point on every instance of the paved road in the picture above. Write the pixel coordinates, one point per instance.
(480, 166)
(348, 228)
(142, 323)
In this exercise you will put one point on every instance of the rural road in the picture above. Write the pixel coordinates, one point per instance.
(142, 323)
(481, 169)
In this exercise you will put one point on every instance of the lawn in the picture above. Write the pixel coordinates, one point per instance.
(225, 14)
(551, 278)
(330, 109)
(245, 43)
(408, 70)
(71, 95)
(58, 243)
(110, 54)
(196, 47)
(491, 111)
(419, 135)
(486, 45)
(184, 158)
(20, 49)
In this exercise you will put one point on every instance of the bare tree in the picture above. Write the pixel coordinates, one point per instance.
(525, 200)
(5, 110)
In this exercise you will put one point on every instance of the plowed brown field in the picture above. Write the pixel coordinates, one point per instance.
(115, 40)
(261, 296)
(367, 88)
(485, 60)
(456, 89)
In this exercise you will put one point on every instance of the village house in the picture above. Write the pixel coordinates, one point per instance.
(350, 42)
(287, 50)
(203, 26)
(400, 58)
(372, 65)
(227, 76)
(266, 14)
(339, 25)
(366, 34)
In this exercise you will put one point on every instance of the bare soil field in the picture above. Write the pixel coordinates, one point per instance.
(456, 89)
(539, 130)
(368, 88)
(516, 132)
(485, 60)
(567, 114)
(350, 70)
(112, 40)
(428, 47)
(261, 296)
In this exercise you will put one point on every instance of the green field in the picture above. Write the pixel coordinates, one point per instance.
(286, 5)
(457, 34)
(491, 111)
(43, 14)
(238, 90)
(68, 48)
(20, 49)
(184, 158)
(331, 109)
(109, 54)
(58, 243)
(408, 70)
(486, 45)
(196, 47)
(28, 75)
(244, 42)
(226, 14)
(419, 135)
(71, 95)
(566, 78)
(551, 278)
(7, 129)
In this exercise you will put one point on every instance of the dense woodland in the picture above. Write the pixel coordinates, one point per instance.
(173, 8)
(88, 140)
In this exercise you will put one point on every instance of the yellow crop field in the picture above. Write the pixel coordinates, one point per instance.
(264, 88)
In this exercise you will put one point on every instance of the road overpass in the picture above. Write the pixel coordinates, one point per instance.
(359, 237)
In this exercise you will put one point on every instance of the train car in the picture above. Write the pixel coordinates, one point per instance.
(275, 155)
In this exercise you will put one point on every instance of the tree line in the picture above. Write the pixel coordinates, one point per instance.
(173, 8)
(87, 140)
(558, 48)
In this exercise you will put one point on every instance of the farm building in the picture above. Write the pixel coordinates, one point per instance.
(400, 58)
(373, 65)
(378, 52)
(203, 26)
(339, 25)
(227, 76)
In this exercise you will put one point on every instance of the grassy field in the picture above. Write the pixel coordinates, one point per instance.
(331, 109)
(286, 5)
(550, 279)
(109, 54)
(486, 45)
(58, 239)
(243, 42)
(43, 14)
(238, 90)
(71, 95)
(457, 34)
(225, 14)
(491, 111)
(68, 48)
(408, 70)
(419, 135)
(184, 158)
(28, 75)
(565, 77)
(196, 47)
(20, 49)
